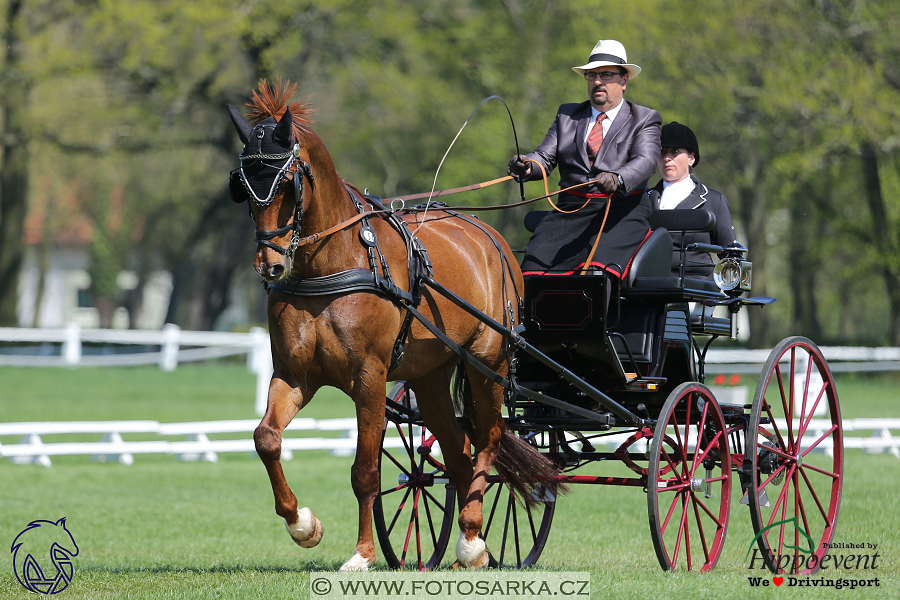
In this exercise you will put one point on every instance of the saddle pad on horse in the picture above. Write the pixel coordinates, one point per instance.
(562, 241)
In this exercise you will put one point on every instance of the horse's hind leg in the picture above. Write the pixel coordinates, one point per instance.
(303, 526)
(488, 399)
(436, 408)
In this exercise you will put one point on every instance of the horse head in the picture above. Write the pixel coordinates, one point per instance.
(271, 158)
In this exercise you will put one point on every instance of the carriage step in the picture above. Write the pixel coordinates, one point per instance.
(763, 498)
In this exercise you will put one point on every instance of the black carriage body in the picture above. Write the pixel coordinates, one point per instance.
(636, 350)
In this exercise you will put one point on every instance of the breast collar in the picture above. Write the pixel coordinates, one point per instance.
(371, 280)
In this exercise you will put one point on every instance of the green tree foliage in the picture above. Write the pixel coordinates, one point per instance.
(123, 105)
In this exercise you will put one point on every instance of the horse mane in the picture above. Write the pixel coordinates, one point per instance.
(271, 100)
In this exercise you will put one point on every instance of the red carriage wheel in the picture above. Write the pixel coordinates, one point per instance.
(414, 513)
(515, 534)
(689, 480)
(797, 458)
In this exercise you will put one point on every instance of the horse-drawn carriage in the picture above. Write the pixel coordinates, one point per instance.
(632, 373)
(549, 368)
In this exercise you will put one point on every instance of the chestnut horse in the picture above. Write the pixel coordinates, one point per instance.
(344, 338)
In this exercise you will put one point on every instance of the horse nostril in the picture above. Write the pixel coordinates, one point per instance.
(276, 271)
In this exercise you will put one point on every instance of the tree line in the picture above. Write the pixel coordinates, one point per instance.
(113, 113)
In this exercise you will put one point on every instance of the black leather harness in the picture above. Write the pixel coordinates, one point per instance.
(371, 280)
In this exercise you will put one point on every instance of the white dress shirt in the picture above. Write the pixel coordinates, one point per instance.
(674, 193)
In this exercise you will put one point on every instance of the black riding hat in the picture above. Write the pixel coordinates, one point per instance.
(676, 135)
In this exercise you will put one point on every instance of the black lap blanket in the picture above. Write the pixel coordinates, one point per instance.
(561, 242)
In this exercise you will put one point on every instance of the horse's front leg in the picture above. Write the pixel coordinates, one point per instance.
(284, 402)
(365, 478)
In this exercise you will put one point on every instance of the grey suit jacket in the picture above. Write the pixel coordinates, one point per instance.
(630, 148)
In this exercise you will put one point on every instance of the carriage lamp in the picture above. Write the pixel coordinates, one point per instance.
(733, 274)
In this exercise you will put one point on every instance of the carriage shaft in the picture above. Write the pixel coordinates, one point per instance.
(563, 373)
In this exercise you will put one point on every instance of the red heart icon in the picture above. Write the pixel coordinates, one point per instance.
(778, 581)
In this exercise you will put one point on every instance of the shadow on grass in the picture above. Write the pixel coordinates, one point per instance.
(304, 567)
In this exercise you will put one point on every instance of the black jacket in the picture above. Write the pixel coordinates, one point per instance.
(699, 264)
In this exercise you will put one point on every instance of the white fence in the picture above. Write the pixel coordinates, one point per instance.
(177, 346)
(32, 449)
(174, 345)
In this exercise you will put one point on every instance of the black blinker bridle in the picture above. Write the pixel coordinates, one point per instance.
(300, 169)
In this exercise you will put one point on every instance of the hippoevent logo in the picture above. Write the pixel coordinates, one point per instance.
(42, 556)
(803, 557)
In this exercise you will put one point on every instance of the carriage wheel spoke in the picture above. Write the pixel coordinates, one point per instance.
(702, 505)
(700, 426)
(819, 441)
(409, 530)
(418, 530)
(534, 536)
(709, 447)
(813, 493)
(809, 366)
(515, 522)
(394, 460)
(435, 500)
(781, 497)
(784, 406)
(399, 510)
(430, 521)
(672, 465)
(665, 522)
(812, 411)
(505, 529)
(486, 530)
(773, 475)
(694, 502)
(406, 444)
(681, 531)
(396, 488)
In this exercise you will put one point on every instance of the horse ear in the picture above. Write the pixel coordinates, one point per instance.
(243, 128)
(283, 129)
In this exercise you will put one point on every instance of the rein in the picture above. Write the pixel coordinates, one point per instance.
(312, 239)
(263, 236)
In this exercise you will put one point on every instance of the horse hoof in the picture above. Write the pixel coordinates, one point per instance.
(307, 531)
(471, 555)
(357, 562)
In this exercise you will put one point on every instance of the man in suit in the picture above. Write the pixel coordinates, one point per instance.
(608, 147)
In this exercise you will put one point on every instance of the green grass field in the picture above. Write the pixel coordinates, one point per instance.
(167, 529)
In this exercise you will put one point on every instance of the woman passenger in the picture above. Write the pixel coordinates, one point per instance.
(680, 188)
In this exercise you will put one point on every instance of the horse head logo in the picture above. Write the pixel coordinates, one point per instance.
(38, 541)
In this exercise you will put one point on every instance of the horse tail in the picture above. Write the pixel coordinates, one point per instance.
(525, 470)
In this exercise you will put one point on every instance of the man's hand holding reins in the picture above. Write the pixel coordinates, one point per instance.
(608, 182)
(519, 167)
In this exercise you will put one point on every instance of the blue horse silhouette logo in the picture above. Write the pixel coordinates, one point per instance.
(39, 540)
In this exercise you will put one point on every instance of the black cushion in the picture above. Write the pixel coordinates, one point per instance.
(534, 218)
(653, 258)
(683, 219)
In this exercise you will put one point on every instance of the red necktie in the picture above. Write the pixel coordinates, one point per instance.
(595, 139)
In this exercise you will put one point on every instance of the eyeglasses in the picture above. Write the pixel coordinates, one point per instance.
(602, 75)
